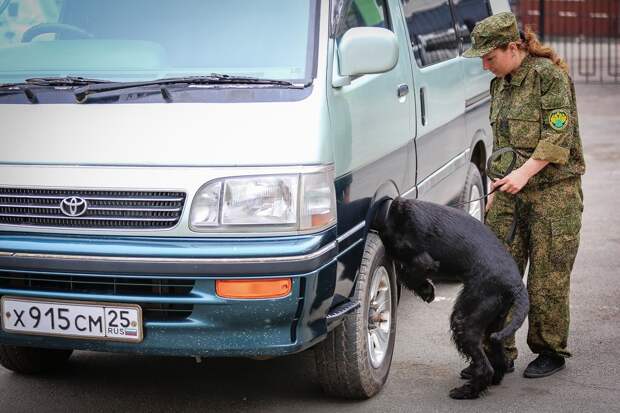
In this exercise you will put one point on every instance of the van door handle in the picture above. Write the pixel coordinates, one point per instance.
(403, 90)
(423, 106)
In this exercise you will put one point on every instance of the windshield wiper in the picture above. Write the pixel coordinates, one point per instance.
(83, 93)
(26, 86)
(65, 81)
(53, 81)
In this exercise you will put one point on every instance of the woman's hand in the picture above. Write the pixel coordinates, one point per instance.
(517, 179)
(513, 182)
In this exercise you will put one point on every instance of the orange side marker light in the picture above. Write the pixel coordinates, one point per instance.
(253, 289)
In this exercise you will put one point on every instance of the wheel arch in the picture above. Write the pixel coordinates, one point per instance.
(479, 158)
(380, 200)
(377, 212)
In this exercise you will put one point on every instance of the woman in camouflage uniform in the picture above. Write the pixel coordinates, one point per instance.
(538, 206)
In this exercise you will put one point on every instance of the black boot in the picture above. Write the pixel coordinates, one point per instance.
(544, 365)
(466, 372)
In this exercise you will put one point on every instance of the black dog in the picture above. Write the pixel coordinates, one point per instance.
(425, 239)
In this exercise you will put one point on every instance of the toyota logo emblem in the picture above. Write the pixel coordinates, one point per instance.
(73, 206)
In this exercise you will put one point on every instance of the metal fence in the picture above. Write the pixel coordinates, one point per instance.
(586, 33)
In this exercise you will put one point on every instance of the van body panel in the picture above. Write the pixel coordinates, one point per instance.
(233, 327)
(369, 117)
(163, 134)
(478, 79)
(477, 103)
(442, 137)
(446, 93)
(141, 251)
(478, 126)
(217, 326)
(355, 194)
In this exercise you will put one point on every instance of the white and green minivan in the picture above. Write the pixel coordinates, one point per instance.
(201, 178)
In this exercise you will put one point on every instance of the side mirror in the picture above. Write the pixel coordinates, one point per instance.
(365, 50)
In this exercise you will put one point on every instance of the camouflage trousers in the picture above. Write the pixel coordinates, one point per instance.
(548, 221)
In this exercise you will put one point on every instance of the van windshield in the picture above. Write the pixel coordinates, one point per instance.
(135, 40)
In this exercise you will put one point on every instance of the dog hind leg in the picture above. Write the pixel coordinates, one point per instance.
(469, 322)
(482, 371)
(496, 352)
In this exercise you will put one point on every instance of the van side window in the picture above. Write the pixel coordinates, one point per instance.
(431, 29)
(467, 14)
(364, 13)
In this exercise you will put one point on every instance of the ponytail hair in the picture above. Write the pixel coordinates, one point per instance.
(531, 44)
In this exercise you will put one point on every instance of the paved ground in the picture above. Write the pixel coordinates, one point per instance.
(425, 366)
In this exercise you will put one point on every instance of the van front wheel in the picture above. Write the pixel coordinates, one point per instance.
(472, 191)
(354, 360)
(31, 360)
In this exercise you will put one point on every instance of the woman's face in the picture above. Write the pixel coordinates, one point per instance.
(500, 62)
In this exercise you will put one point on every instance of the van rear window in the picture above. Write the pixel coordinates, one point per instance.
(431, 29)
(468, 13)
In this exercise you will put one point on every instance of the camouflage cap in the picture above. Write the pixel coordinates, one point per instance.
(494, 31)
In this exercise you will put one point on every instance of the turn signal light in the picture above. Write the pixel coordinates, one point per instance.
(321, 220)
(253, 289)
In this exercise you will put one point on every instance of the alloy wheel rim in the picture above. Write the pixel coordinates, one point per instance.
(379, 316)
(475, 209)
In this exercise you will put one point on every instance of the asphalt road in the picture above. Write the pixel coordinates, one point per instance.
(425, 364)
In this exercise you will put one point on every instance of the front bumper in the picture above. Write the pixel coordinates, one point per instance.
(214, 326)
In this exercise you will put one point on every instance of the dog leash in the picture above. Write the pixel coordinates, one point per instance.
(492, 174)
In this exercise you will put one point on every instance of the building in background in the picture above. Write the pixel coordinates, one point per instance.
(585, 32)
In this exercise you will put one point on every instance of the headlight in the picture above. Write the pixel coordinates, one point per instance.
(266, 203)
(263, 200)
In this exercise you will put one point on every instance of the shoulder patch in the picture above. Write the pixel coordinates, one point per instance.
(558, 119)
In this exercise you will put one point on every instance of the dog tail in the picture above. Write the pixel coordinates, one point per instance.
(520, 310)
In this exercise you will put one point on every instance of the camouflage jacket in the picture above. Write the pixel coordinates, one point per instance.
(534, 111)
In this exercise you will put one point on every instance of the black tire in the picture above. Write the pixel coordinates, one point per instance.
(343, 359)
(31, 360)
(474, 188)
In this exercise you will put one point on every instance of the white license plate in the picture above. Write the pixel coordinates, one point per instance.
(103, 321)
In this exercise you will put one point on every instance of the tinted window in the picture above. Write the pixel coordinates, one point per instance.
(468, 13)
(431, 29)
(364, 13)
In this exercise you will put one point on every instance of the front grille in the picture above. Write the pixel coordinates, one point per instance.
(111, 286)
(90, 209)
